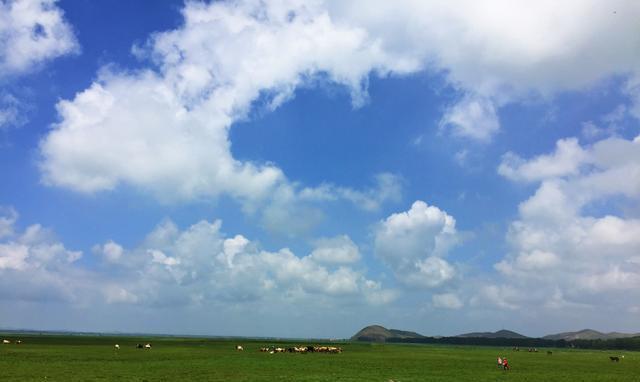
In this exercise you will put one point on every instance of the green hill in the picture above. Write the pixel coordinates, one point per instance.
(377, 333)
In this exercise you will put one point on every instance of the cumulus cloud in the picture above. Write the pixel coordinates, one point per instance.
(173, 267)
(32, 32)
(473, 118)
(413, 244)
(447, 301)
(166, 129)
(202, 264)
(566, 160)
(497, 51)
(111, 251)
(11, 111)
(502, 49)
(8, 217)
(575, 256)
(336, 250)
(34, 265)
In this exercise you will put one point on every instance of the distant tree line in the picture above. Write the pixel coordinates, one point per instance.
(632, 343)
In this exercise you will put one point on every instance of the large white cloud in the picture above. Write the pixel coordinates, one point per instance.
(32, 32)
(167, 131)
(201, 264)
(35, 266)
(499, 51)
(226, 55)
(413, 244)
(336, 250)
(562, 245)
(195, 266)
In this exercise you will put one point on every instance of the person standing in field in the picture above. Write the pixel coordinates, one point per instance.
(499, 362)
(505, 364)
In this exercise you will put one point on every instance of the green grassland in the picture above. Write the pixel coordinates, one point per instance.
(85, 358)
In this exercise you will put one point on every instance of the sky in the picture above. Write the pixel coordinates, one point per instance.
(299, 169)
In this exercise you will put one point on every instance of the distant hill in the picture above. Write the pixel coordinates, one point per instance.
(499, 334)
(377, 333)
(589, 334)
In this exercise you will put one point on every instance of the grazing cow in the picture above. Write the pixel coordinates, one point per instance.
(139, 346)
(18, 342)
(279, 350)
(147, 346)
(239, 348)
(264, 350)
(614, 359)
(117, 347)
(6, 341)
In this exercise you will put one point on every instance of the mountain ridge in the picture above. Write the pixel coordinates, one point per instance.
(499, 334)
(588, 334)
(378, 333)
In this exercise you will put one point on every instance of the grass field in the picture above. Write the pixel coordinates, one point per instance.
(83, 358)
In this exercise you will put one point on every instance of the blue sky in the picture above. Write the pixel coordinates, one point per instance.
(304, 169)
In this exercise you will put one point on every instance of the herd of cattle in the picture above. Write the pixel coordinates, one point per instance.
(270, 349)
(296, 349)
(300, 349)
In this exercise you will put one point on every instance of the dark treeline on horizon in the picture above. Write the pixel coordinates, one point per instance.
(632, 343)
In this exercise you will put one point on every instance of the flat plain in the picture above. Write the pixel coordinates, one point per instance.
(94, 358)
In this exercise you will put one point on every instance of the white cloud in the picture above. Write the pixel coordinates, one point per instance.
(336, 250)
(571, 255)
(8, 217)
(115, 294)
(167, 130)
(474, 118)
(501, 51)
(500, 48)
(111, 251)
(632, 89)
(566, 160)
(11, 111)
(35, 266)
(195, 266)
(412, 244)
(447, 301)
(200, 264)
(32, 32)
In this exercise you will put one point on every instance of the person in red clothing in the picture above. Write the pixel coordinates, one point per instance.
(505, 364)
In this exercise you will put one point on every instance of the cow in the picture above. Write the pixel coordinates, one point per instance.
(139, 346)
(6, 342)
(147, 346)
(239, 347)
(18, 342)
(116, 346)
(614, 359)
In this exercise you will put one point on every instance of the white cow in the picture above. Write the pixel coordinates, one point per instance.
(239, 347)
(147, 346)
(117, 347)
(6, 341)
